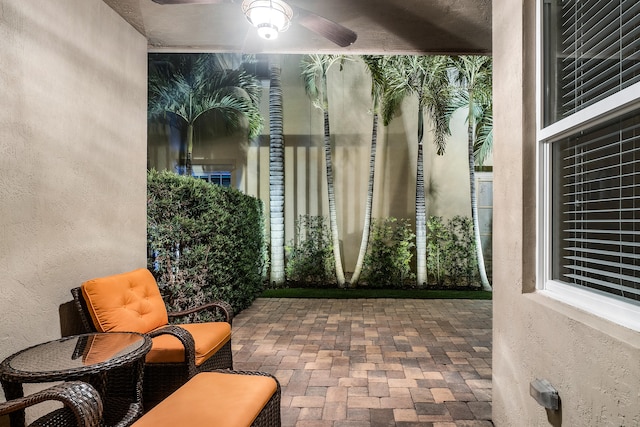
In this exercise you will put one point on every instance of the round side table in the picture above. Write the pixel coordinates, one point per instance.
(112, 362)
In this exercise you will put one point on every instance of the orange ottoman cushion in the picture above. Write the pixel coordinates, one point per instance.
(213, 399)
(208, 337)
(127, 302)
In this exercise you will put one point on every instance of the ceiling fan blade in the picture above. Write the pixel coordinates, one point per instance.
(340, 35)
(190, 1)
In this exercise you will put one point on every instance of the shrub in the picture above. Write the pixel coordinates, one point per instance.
(451, 257)
(310, 256)
(463, 264)
(205, 242)
(437, 238)
(388, 259)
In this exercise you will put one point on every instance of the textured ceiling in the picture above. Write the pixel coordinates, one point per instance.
(383, 26)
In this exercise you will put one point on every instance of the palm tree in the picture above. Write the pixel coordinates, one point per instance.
(314, 70)
(188, 86)
(276, 174)
(473, 93)
(377, 66)
(426, 78)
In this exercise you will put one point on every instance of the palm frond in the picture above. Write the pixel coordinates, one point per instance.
(458, 100)
(311, 70)
(397, 87)
(379, 79)
(200, 83)
(435, 96)
(473, 92)
(484, 136)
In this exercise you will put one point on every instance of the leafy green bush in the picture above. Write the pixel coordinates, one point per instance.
(310, 256)
(388, 259)
(463, 264)
(437, 238)
(205, 242)
(451, 257)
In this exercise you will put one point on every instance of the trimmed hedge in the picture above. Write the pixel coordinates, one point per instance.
(205, 242)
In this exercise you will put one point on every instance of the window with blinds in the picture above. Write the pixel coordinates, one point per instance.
(596, 209)
(592, 50)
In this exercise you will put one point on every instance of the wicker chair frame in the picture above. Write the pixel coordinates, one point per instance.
(82, 405)
(162, 379)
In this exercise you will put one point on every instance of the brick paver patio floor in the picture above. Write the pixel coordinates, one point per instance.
(372, 362)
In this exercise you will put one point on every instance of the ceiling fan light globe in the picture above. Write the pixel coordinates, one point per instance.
(268, 32)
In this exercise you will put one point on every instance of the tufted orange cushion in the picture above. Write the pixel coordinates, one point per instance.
(127, 302)
(213, 399)
(208, 337)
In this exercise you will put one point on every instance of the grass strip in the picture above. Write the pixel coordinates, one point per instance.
(375, 293)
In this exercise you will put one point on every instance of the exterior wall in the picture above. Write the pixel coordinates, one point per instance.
(593, 363)
(72, 163)
(446, 176)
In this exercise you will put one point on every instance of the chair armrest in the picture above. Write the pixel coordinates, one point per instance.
(187, 341)
(81, 398)
(215, 306)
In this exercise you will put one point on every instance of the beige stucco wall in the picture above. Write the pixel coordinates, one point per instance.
(446, 177)
(593, 363)
(72, 158)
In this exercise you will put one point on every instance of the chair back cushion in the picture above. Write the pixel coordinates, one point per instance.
(126, 302)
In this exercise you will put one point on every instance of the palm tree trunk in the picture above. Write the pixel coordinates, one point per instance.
(188, 166)
(486, 286)
(421, 209)
(276, 177)
(333, 218)
(364, 242)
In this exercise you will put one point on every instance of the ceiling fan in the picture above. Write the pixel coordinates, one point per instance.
(274, 16)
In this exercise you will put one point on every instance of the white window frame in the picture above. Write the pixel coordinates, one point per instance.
(598, 303)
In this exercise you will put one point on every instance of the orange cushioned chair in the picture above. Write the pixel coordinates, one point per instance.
(131, 302)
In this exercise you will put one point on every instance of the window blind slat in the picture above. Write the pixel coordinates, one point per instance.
(598, 211)
(603, 252)
(597, 190)
(585, 181)
(594, 231)
(598, 272)
(604, 242)
(603, 283)
(591, 261)
(604, 221)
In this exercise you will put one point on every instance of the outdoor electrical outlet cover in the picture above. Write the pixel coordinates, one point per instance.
(544, 393)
